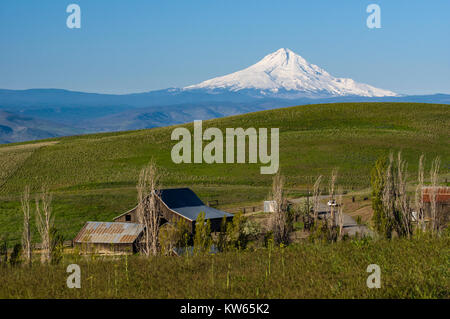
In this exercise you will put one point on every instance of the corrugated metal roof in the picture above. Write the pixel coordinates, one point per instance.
(109, 233)
(192, 212)
(442, 194)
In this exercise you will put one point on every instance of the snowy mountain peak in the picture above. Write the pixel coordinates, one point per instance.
(282, 58)
(286, 74)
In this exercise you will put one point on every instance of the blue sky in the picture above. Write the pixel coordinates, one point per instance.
(134, 46)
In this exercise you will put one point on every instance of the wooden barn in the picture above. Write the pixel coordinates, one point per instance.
(182, 203)
(109, 238)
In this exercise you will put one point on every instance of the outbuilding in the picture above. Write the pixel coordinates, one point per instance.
(441, 194)
(109, 238)
(181, 203)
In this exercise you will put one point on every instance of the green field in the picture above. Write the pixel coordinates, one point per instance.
(93, 177)
(417, 268)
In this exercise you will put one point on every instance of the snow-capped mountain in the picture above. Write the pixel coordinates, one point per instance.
(284, 73)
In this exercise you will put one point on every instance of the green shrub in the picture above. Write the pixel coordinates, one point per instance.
(202, 236)
(56, 245)
(14, 259)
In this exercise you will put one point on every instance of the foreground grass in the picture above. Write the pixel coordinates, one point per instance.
(417, 268)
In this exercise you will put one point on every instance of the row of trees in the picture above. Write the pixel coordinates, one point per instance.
(51, 240)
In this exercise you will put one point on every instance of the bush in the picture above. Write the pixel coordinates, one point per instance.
(321, 231)
(202, 236)
(299, 225)
(56, 245)
(14, 259)
(237, 234)
(3, 251)
(171, 236)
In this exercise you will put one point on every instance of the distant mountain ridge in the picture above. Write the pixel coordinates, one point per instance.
(280, 79)
(19, 128)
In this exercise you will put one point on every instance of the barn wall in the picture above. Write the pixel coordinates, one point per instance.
(103, 248)
(122, 219)
(172, 217)
(166, 214)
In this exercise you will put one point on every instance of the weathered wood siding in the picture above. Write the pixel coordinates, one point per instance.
(97, 248)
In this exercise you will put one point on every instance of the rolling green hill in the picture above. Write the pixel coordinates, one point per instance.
(93, 176)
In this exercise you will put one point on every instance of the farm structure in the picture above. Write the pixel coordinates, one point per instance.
(181, 203)
(109, 238)
(442, 197)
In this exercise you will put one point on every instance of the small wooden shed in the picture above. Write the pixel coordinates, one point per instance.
(109, 238)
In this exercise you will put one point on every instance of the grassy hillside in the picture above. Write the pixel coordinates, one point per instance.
(93, 176)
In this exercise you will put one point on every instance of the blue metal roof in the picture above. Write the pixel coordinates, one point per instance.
(186, 203)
